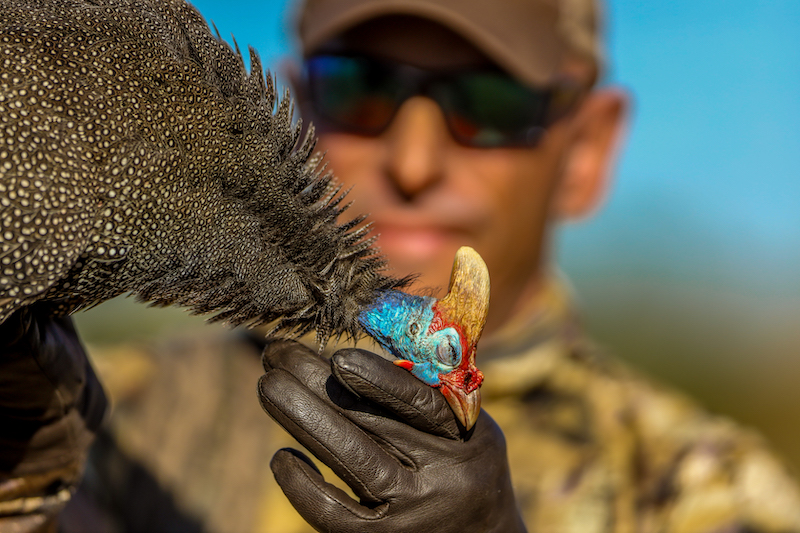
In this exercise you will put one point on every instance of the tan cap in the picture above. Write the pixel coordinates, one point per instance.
(528, 38)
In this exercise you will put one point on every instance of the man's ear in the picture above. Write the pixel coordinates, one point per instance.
(598, 127)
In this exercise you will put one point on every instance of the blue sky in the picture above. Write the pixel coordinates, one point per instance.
(711, 168)
(708, 188)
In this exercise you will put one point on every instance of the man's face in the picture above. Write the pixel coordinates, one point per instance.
(428, 195)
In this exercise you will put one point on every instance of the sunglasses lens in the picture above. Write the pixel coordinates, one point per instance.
(352, 93)
(490, 109)
(483, 108)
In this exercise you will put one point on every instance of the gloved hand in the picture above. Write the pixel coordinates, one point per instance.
(396, 444)
(51, 404)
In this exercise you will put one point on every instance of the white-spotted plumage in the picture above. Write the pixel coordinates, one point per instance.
(138, 155)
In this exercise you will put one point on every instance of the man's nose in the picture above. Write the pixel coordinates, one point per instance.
(416, 141)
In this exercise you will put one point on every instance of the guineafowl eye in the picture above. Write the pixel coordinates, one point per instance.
(447, 354)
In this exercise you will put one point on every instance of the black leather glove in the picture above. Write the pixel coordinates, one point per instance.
(51, 404)
(396, 444)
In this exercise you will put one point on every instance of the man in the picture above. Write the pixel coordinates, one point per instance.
(420, 107)
(445, 162)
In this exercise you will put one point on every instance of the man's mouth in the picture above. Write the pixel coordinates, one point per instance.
(415, 243)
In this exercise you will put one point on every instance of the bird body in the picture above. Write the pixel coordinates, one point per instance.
(138, 155)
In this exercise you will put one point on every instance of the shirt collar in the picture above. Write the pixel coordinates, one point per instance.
(524, 351)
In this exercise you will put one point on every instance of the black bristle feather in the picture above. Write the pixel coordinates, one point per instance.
(165, 170)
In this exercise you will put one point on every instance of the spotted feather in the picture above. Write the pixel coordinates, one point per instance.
(138, 155)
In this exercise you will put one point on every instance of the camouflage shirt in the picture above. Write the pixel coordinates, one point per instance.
(593, 447)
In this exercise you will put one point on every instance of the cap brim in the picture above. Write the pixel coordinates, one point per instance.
(528, 46)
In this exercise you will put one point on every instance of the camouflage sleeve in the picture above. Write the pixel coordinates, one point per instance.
(593, 447)
(705, 473)
(51, 404)
(188, 446)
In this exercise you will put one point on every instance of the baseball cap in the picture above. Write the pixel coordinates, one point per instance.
(528, 38)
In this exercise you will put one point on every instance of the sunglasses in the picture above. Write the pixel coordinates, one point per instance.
(484, 108)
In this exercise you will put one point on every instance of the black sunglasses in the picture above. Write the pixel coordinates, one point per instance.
(483, 108)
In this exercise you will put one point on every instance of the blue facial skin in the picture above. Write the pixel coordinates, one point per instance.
(399, 322)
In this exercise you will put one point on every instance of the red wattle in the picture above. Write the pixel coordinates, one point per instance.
(404, 363)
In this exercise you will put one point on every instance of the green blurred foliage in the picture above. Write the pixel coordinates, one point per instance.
(737, 354)
(123, 320)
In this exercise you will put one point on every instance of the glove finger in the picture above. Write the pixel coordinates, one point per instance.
(324, 506)
(286, 353)
(313, 371)
(396, 390)
(336, 441)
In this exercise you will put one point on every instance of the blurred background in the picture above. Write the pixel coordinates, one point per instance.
(691, 272)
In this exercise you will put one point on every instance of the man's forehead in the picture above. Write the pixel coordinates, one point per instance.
(412, 40)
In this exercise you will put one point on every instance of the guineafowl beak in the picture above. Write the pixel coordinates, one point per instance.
(465, 404)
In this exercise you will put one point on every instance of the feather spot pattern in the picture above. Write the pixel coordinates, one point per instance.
(138, 155)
